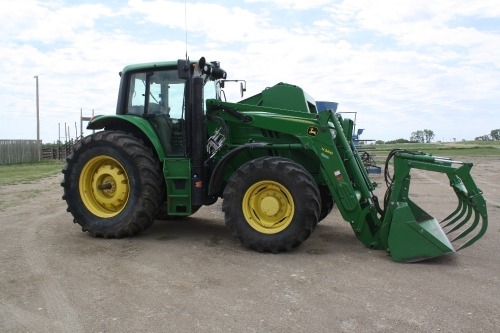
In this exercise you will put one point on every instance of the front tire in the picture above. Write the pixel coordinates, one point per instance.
(327, 202)
(271, 204)
(112, 184)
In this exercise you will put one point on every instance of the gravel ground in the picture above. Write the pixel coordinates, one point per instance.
(192, 275)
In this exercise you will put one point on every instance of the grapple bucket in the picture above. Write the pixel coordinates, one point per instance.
(412, 234)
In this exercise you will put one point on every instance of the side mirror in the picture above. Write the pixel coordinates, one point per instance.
(243, 88)
(183, 68)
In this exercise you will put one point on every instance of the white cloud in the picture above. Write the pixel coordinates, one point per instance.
(47, 22)
(213, 22)
(293, 4)
(401, 65)
(419, 23)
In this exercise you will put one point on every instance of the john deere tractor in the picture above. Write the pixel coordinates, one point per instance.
(277, 159)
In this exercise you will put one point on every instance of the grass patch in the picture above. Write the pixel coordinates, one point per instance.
(28, 172)
(467, 149)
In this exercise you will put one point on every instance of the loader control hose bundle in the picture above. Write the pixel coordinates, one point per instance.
(389, 179)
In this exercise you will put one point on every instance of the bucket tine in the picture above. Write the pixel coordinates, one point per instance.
(463, 210)
(461, 192)
(473, 239)
(464, 221)
(479, 234)
(456, 211)
(479, 206)
(472, 200)
(468, 230)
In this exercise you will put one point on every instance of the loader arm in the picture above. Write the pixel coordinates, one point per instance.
(349, 182)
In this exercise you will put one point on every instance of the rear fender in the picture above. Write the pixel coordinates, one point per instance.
(136, 125)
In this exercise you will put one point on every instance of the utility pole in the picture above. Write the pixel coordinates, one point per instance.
(38, 119)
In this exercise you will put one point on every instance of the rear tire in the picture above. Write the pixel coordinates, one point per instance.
(271, 204)
(112, 184)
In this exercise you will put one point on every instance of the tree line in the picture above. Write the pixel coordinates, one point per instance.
(493, 136)
(426, 136)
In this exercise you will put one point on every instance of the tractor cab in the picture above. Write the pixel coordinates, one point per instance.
(158, 92)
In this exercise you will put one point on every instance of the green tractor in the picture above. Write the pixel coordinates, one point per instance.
(278, 161)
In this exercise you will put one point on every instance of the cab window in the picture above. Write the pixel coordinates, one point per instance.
(165, 94)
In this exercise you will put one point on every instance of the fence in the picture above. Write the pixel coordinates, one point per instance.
(58, 153)
(23, 151)
(19, 151)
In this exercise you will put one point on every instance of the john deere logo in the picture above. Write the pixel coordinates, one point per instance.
(312, 131)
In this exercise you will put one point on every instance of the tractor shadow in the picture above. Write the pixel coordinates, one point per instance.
(192, 231)
(191, 227)
(203, 228)
(332, 238)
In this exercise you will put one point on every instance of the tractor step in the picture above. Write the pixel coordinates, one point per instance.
(177, 173)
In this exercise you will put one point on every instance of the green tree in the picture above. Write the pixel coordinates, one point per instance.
(422, 136)
(495, 134)
(417, 136)
(429, 135)
(483, 138)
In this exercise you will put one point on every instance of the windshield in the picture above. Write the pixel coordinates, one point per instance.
(166, 93)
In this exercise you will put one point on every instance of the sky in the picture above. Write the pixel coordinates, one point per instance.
(399, 66)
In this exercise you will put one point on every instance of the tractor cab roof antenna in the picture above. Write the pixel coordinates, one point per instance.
(185, 27)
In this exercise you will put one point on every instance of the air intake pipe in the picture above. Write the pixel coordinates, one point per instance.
(197, 142)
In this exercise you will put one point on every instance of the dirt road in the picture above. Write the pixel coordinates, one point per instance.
(192, 276)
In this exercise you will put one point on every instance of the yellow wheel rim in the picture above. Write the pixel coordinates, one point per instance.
(268, 207)
(104, 186)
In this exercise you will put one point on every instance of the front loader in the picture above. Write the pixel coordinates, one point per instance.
(279, 163)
